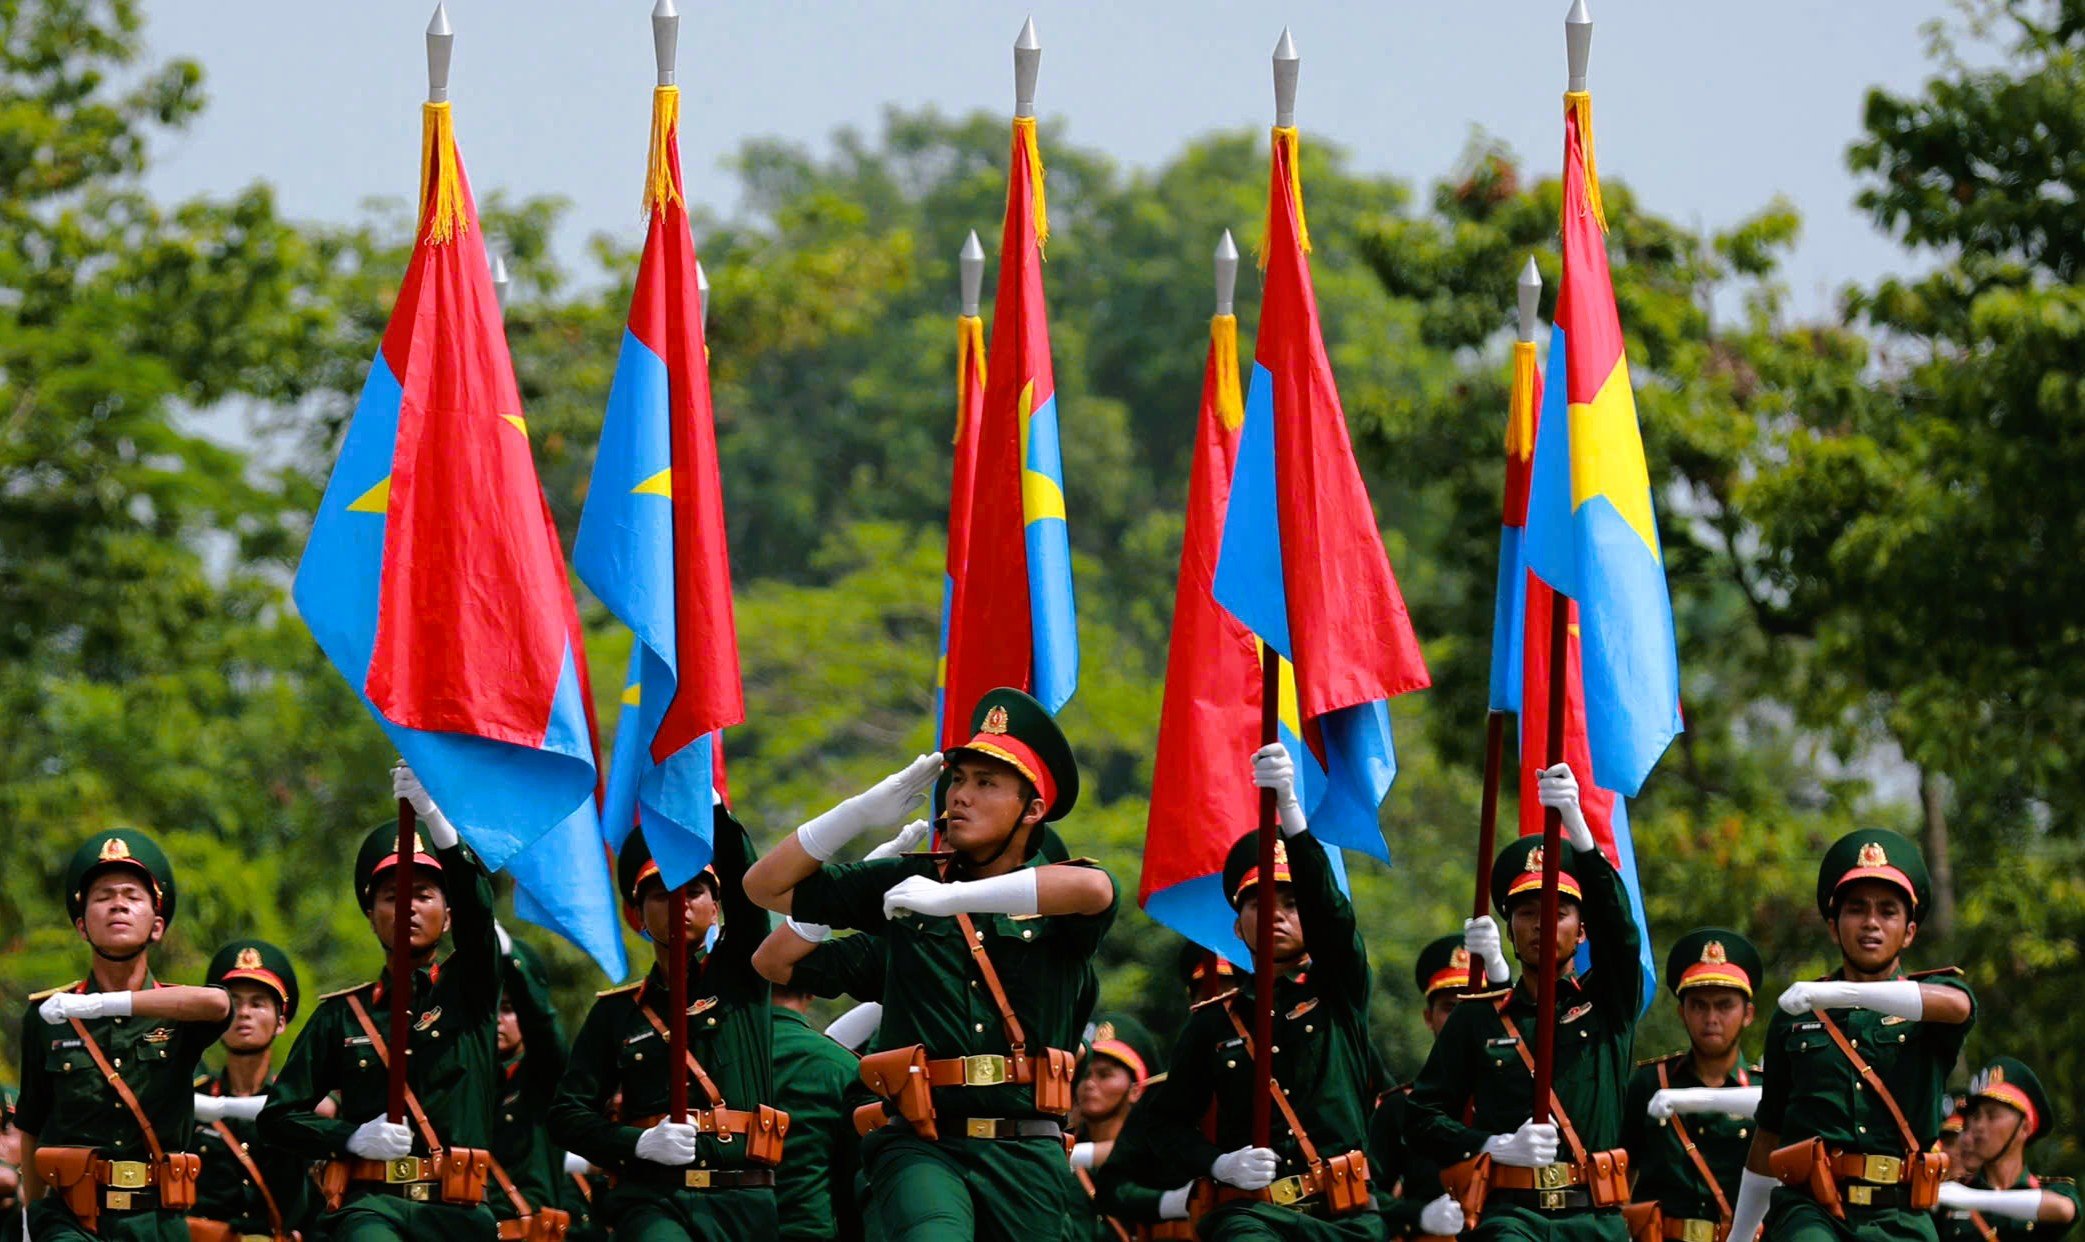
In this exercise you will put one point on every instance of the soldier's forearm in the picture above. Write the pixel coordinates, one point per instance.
(771, 882)
(32, 1185)
(1061, 888)
(1945, 1005)
(777, 956)
(182, 1004)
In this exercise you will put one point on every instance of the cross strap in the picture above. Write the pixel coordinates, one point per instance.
(383, 1056)
(974, 940)
(123, 1092)
(239, 1153)
(709, 1089)
(1874, 1080)
(1701, 1164)
(1556, 1106)
(513, 1192)
(1281, 1097)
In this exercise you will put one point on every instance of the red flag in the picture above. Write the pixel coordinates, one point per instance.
(970, 412)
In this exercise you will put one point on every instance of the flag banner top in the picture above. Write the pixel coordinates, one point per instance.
(1526, 395)
(970, 408)
(1302, 563)
(1012, 617)
(428, 579)
(1591, 529)
(652, 541)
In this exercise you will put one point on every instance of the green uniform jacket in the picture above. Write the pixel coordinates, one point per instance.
(454, 1063)
(1474, 1064)
(1664, 1174)
(520, 1133)
(1139, 1171)
(1958, 1227)
(1415, 1179)
(729, 1033)
(843, 966)
(814, 1188)
(225, 1191)
(65, 1101)
(933, 993)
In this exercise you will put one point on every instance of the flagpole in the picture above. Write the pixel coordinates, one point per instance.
(970, 280)
(1578, 45)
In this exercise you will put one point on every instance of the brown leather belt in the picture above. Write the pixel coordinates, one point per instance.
(1558, 1176)
(418, 1178)
(716, 1122)
(542, 1223)
(127, 1185)
(1876, 1170)
(989, 1070)
(1298, 1191)
(1001, 1128)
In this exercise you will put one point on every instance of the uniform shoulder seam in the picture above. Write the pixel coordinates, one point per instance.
(1936, 972)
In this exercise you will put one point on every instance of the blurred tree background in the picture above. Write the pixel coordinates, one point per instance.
(1871, 521)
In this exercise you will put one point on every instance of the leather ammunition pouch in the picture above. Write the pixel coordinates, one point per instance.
(871, 1117)
(1807, 1166)
(456, 1176)
(900, 1076)
(68, 1172)
(1469, 1181)
(542, 1225)
(763, 1127)
(1053, 1085)
(177, 1173)
(1646, 1221)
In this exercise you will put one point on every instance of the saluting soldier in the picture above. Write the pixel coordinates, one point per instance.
(1122, 1062)
(1414, 1202)
(1689, 1121)
(2007, 1111)
(711, 1177)
(527, 1169)
(381, 1180)
(108, 1063)
(247, 1189)
(1475, 1096)
(989, 977)
(1857, 1064)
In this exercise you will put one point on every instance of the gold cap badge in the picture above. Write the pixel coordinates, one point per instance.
(1281, 852)
(1873, 855)
(1713, 953)
(249, 959)
(995, 720)
(1534, 862)
(114, 850)
(1104, 1033)
(1460, 958)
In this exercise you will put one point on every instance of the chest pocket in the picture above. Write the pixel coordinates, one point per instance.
(68, 1063)
(1502, 1059)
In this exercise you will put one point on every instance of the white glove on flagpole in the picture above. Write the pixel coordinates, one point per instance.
(85, 1006)
(1533, 1145)
(1899, 998)
(1557, 787)
(1733, 1101)
(668, 1143)
(1443, 1217)
(1012, 893)
(2011, 1204)
(1480, 939)
(883, 805)
(1273, 769)
(905, 842)
(1248, 1168)
(381, 1139)
(404, 784)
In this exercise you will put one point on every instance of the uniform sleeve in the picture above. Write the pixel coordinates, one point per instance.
(1386, 1156)
(1176, 1109)
(746, 924)
(1635, 1121)
(198, 1038)
(2063, 1187)
(578, 1116)
(1947, 1038)
(1773, 1093)
(851, 894)
(1081, 934)
(1433, 1112)
(844, 966)
(542, 1042)
(1139, 1171)
(288, 1121)
(1329, 929)
(476, 958)
(33, 1109)
(1615, 982)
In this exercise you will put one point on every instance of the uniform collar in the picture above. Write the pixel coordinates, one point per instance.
(87, 984)
(430, 974)
(791, 1015)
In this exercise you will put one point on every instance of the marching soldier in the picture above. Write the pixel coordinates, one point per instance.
(382, 1179)
(814, 1186)
(989, 979)
(1475, 1096)
(1122, 1061)
(1856, 1063)
(1689, 1120)
(527, 1171)
(711, 1177)
(1421, 1207)
(2007, 1111)
(108, 1063)
(1313, 1182)
(246, 1190)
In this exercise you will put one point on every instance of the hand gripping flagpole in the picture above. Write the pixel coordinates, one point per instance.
(1578, 45)
(1264, 972)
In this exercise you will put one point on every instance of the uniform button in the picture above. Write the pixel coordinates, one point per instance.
(980, 935)
(1742, 1132)
(1862, 1129)
(979, 1027)
(1230, 1065)
(119, 1062)
(1027, 934)
(712, 1021)
(638, 1057)
(434, 1034)
(973, 983)
(1309, 1029)
(362, 1064)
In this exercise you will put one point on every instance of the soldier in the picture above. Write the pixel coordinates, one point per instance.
(1122, 1062)
(2007, 1111)
(247, 1189)
(108, 1063)
(1856, 1063)
(814, 1187)
(1688, 1123)
(1313, 1182)
(381, 1180)
(711, 1177)
(1420, 1206)
(1475, 1096)
(989, 976)
(527, 1170)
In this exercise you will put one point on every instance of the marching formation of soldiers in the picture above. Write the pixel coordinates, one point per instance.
(975, 1091)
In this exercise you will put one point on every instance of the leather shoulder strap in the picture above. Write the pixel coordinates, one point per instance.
(709, 1089)
(1701, 1165)
(975, 941)
(1281, 1097)
(513, 1192)
(1556, 1106)
(383, 1056)
(239, 1153)
(1874, 1081)
(122, 1089)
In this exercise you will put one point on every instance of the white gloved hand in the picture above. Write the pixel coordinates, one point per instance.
(1172, 1205)
(857, 1026)
(1248, 1168)
(404, 784)
(1734, 1101)
(381, 1139)
(1273, 769)
(1897, 997)
(815, 933)
(1012, 893)
(905, 842)
(85, 1006)
(1480, 938)
(576, 1164)
(209, 1108)
(1082, 1155)
(1557, 787)
(1442, 1217)
(668, 1142)
(1755, 1194)
(233, 1107)
(1533, 1145)
(883, 805)
(2011, 1204)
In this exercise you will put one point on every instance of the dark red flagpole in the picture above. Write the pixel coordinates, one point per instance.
(1552, 862)
(1488, 831)
(1263, 967)
(677, 1002)
(401, 966)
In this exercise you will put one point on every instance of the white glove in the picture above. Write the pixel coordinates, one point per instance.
(209, 1108)
(506, 942)
(1557, 787)
(1442, 1217)
(883, 805)
(381, 1139)
(1755, 1194)
(857, 1026)
(1248, 1168)
(1734, 1101)
(1273, 769)
(905, 842)
(85, 1006)
(1530, 1147)
(1480, 938)
(816, 933)
(2012, 1204)
(576, 1164)
(1082, 1155)
(1172, 1205)
(228, 1107)
(1897, 997)
(668, 1142)
(1012, 893)
(404, 784)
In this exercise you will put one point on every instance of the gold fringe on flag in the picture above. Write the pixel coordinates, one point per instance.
(1285, 137)
(659, 189)
(1024, 133)
(1580, 105)
(970, 343)
(441, 184)
(1223, 340)
(1520, 416)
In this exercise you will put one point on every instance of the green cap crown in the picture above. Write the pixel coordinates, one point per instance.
(1874, 854)
(1008, 714)
(1516, 872)
(120, 847)
(1122, 1038)
(1713, 957)
(379, 853)
(256, 961)
(1444, 964)
(2008, 1081)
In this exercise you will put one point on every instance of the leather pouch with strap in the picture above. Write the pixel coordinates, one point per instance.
(1342, 1180)
(171, 1175)
(1700, 1163)
(528, 1224)
(69, 1172)
(459, 1173)
(763, 1127)
(1052, 1078)
(1813, 1166)
(252, 1171)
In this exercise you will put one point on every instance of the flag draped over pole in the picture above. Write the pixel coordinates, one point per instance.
(651, 540)
(970, 407)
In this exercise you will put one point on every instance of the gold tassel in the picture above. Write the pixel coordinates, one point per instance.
(1223, 340)
(1580, 106)
(441, 184)
(970, 343)
(1520, 410)
(1285, 138)
(1024, 133)
(659, 189)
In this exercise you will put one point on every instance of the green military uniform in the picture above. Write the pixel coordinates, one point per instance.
(11, 1200)
(1812, 1089)
(282, 1199)
(2010, 1082)
(934, 996)
(814, 1187)
(1407, 1180)
(1476, 1066)
(1129, 1043)
(528, 1080)
(452, 1062)
(619, 1049)
(65, 1101)
(1322, 1061)
(1663, 1170)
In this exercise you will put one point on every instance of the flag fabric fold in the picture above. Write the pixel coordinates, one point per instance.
(970, 397)
(1508, 604)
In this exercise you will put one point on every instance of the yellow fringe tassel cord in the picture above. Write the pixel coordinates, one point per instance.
(1024, 133)
(1285, 137)
(1223, 340)
(970, 351)
(441, 184)
(1520, 411)
(1580, 106)
(659, 188)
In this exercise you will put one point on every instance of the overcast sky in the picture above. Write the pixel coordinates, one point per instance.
(1708, 109)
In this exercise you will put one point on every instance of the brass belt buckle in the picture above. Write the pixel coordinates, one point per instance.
(403, 1169)
(1551, 1200)
(1860, 1196)
(696, 1179)
(1287, 1192)
(117, 1200)
(1697, 1231)
(416, 1191)
(1882, 1169)
(981, 1128)
(987, 1070)
(130, 1174)
(1552, 1176)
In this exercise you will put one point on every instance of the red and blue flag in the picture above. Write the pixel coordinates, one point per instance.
(970, 409)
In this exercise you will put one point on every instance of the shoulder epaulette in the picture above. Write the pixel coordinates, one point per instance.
(1217, 999)
(1937, 971)
(2057, 1181)
(1654, 1060)
(344, 991)
(1488, 994)
(617, 991)
(1081, 862)
(49, 992)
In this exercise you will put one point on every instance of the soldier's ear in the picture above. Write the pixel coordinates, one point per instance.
(1910, 932)
(159, 929)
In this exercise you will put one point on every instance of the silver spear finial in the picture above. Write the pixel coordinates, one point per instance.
(1530, 298)
(1286, 66)
(1027, 63)
(970, 265)
(1226, 272)
(666, 35)
(1578, 43)
(441, 41)
(702, 294)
